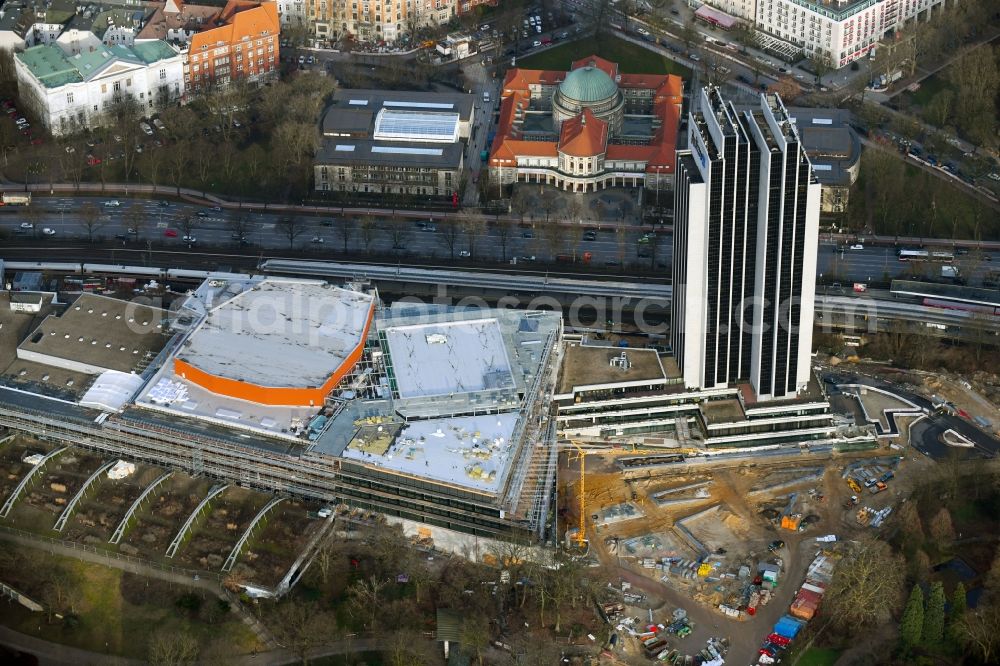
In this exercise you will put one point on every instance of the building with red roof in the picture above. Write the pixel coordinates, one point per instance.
(590, 128)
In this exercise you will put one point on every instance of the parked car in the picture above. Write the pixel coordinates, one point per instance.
(590, 235)
(93, 161)
(144, 126)
(857, 246)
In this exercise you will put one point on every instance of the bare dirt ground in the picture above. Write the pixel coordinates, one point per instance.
(165, 511)
(215, 534)
(105, 504)
(12, 467)
(54, 485)
(740, 527)
(273, 548)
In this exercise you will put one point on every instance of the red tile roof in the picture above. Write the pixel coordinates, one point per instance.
(610, 68)
(583, 136)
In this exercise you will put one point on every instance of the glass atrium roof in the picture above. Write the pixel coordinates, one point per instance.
(417, 126)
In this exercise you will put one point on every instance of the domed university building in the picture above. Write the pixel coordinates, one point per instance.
(587, 129)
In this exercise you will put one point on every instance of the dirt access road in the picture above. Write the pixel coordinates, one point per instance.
(745, 637)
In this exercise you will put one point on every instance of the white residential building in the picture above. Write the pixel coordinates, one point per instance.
(839, 30)
(69, 90)
(293, 13)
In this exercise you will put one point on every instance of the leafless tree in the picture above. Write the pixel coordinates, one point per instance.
(167, 648)
(547, 202)
(291, 227)
(505, 231)
(520, 204)
(242, 226)
(867, 587)
(366, 597)
(178, 162)
(302, 629)
(188, 223)
(449, 231)
(152, 164)
(90, 218)
(368, 230)
(345, 229)
(399, 230)
(475, 635)
(979, 630)
(135, 219)
(408, 648)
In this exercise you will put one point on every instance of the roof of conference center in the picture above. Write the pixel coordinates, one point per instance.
(280, 333)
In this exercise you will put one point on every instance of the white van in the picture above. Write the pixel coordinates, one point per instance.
(486, 97)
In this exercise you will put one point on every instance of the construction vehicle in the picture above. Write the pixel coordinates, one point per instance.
(853, 484)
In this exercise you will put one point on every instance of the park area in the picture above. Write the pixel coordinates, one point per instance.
(109, 611)
(631, 58)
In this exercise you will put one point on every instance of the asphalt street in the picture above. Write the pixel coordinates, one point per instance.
(925, 434)
(837, 262)
(164, 226)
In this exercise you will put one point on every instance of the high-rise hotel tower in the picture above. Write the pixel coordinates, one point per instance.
(746, 221)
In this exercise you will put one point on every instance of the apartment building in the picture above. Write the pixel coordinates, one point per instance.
(840, 31)
(242, 45)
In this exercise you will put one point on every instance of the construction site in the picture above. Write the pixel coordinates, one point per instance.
(292, 389)
(702, 543)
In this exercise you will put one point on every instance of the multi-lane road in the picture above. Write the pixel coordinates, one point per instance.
(163, 227)
(837, 262)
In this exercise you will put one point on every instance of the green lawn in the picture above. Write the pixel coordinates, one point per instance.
(819, 657)
(928, 88)
(631, 59)
(108, 622)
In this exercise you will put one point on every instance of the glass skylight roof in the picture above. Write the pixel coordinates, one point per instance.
(420, 105)
(403, 150)
(416, 126)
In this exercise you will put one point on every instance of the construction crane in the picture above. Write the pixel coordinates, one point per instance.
(581, 535)
(582, 453)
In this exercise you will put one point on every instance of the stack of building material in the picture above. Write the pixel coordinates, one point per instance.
(807, 600)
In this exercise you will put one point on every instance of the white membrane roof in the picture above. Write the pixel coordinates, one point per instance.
(448, 358)
(470, 451)
(280, 333)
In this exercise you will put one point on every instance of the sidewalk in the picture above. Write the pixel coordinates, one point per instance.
(132, 566)
(54, 654)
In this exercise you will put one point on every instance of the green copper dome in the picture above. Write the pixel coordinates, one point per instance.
(587, 85)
